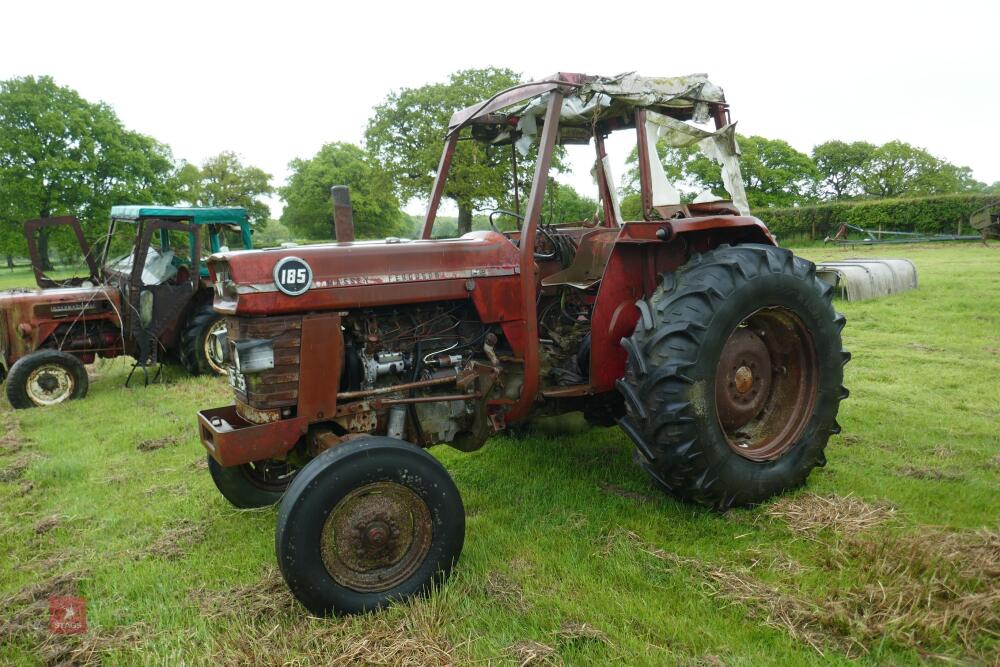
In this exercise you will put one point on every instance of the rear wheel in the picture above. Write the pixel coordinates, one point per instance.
(734, 376)
(256, 484)
(199, 351)
(367, 522)
(46, 377)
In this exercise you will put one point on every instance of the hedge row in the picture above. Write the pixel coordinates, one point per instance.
(939, 214)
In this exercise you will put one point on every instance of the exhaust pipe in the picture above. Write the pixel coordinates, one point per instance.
(343, 214)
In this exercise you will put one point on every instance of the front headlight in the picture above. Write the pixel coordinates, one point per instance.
(253, 355)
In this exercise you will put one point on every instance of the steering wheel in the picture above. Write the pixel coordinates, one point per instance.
(541, 230)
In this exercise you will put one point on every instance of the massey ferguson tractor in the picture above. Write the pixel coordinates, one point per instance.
(716, 352)
(146, 295)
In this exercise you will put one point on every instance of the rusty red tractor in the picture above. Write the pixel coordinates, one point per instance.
(718, 353)
(145, 295)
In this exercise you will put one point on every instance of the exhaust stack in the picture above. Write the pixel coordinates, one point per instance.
(343, 213)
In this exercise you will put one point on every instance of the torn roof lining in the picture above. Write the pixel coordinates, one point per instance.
(684, 98)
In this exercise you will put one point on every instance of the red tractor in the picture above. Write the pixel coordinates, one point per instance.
(146, 295)
(718, 353)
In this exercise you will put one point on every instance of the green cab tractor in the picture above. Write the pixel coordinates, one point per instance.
(147, 295)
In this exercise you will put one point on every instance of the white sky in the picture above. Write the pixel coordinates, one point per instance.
(274, 81)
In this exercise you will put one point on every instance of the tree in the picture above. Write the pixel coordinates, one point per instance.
(63, 155)
(223, 180)
(406, 134)
(898, 169)
(841, 166)
(564, 204)
(774, 173)
(309, 210)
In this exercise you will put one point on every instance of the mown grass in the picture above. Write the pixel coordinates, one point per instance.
(889, 555)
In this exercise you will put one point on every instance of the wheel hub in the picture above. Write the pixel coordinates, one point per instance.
(765, 384)
(376, 537)
(50, 384)
(214, 354)
(745, 378)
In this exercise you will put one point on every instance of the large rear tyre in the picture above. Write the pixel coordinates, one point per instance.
(46, 377)
(199, 350)
(257, 484)
(367, 522)
(734, 376)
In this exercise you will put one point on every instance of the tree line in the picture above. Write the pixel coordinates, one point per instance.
(61, 154)
(777, 175)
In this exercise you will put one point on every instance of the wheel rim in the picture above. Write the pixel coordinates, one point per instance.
(268, 475)
(50, 384)
(214, 354)
(766, 383)
(376, 537)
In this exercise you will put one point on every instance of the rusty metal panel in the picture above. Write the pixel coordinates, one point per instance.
(319, 380)
(31, 228)
(231, 440)
(528, 285)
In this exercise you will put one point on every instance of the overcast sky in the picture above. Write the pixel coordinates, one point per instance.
(276, 80)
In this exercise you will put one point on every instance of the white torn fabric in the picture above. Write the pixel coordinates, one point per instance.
(664, 192)
(706, 196)
(720, 146)
(158, 269)
(693, 90)
(528, 127)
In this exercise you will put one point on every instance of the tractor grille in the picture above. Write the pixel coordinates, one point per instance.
(279, 386)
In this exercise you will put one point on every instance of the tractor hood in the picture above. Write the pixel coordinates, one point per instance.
(358, 274)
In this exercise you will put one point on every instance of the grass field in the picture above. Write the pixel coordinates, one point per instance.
(891, 554)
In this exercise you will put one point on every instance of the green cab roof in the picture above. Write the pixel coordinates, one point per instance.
(233, 215)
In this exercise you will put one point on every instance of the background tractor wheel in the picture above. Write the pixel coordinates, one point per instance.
(46, 377)
(734, 376)
(197, 352)
(367, 522)
(257, 484)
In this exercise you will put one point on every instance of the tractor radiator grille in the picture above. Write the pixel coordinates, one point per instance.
(279, 386)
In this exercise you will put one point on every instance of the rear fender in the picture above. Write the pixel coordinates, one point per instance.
(642, 252)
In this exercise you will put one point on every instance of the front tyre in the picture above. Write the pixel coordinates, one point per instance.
(46, 377)
(199, 351)
(734, 376)
(257, 484)
(367, 522)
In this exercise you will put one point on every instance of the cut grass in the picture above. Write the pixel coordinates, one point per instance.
(571, 556)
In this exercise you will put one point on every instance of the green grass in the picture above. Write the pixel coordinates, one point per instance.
(562, 528)
(24, 277)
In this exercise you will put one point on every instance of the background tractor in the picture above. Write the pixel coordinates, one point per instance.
(146, 294)
(717, 352)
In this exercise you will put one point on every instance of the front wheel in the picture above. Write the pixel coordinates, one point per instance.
(46, 377)
(367, 522)
(734, 374)
(257, 484)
